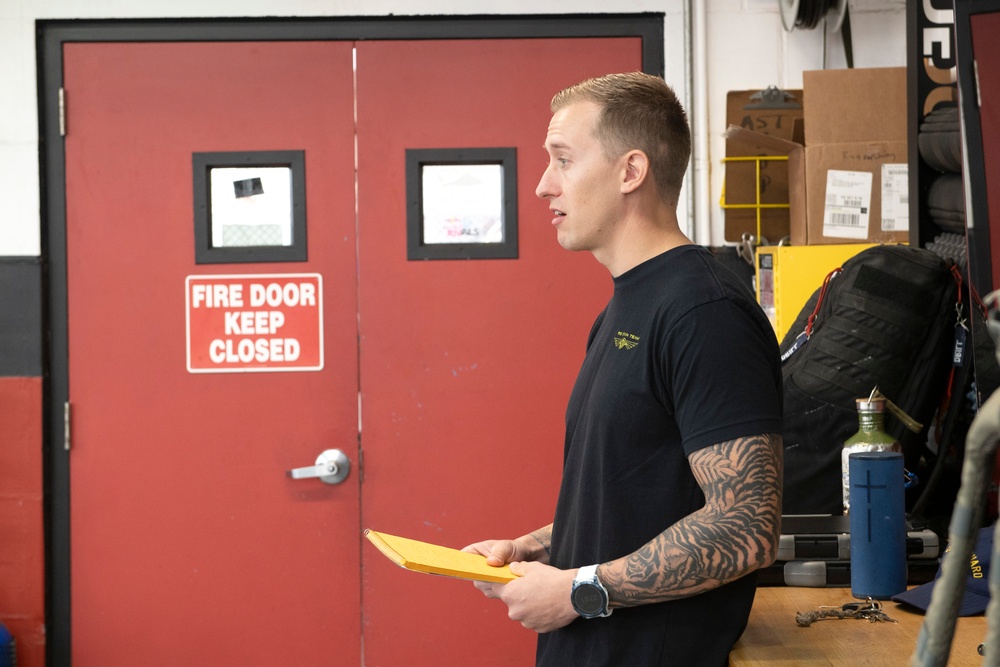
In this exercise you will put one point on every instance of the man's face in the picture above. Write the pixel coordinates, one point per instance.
(580, 185)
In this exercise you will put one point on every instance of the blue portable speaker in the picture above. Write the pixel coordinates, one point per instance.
(878, 525)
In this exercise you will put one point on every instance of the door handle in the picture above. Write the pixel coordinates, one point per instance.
(332, 467)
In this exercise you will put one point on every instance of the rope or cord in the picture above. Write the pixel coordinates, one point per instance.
(871, 611)
(812, 11)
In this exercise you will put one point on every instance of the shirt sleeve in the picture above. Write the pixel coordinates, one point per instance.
(723, 375)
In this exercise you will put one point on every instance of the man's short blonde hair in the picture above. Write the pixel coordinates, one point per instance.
(638, 111)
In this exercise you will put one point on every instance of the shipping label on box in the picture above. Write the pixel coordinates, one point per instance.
(895, 198)
(848, 200)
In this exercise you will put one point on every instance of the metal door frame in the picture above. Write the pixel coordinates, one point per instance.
(978, 233)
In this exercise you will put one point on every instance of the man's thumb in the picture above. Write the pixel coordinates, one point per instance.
(499, 555)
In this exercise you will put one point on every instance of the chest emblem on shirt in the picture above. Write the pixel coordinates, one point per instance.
(626, 341)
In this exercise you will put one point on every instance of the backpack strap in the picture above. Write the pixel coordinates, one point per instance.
(803, 337)
(958, 351)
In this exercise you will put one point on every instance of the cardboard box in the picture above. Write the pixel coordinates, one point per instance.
(856, 157)
(848, 183)
(770, 112)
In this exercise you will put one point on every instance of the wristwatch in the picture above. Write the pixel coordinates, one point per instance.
(589, 597)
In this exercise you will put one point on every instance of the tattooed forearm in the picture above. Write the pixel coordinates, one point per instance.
(735, 532)
(535, 545)
(544, 537)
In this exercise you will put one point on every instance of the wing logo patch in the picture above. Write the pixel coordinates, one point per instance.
(626, 341)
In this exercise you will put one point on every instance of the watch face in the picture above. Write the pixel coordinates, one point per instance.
(588, 599)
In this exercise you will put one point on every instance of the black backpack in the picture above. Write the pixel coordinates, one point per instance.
(886, 319)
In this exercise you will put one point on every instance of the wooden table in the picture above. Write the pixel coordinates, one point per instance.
(773, 637)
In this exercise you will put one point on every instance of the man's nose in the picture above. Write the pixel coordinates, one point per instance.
(544, 188)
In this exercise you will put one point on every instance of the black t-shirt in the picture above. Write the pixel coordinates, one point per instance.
(681, 358)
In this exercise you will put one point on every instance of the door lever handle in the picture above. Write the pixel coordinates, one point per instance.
(332, 467)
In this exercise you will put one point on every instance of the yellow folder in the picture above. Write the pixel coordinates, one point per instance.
(433, 559)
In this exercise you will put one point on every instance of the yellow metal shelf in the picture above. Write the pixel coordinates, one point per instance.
(757, 205)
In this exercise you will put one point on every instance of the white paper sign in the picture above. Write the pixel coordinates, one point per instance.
(242, 216)
(895, 198)
(463, 203)
(848, 200)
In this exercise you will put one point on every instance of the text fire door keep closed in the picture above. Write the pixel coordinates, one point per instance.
(263, 322)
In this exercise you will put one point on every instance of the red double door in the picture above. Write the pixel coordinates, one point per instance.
(444, 382)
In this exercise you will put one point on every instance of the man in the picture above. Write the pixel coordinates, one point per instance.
(672, 461)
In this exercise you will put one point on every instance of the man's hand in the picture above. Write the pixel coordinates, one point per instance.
(533, 546)
(499, 552)
(539, 599)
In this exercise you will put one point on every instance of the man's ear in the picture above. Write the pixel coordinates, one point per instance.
(636, 171)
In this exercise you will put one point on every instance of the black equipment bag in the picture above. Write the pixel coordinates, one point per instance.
(886, 319)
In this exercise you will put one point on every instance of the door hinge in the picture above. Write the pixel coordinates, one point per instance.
(62, 118)
(66, 425)
(975, 77)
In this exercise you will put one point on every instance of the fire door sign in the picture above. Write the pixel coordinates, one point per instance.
(254, 323)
